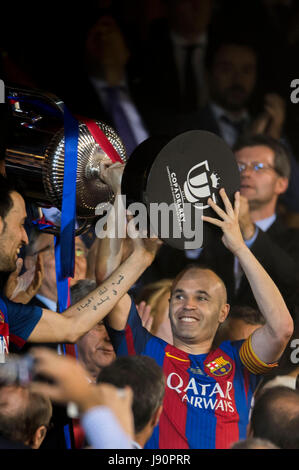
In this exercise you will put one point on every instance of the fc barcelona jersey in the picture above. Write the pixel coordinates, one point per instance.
(17, 321)
(207, 396)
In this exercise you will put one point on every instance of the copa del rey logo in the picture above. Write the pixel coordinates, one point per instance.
(200, 184)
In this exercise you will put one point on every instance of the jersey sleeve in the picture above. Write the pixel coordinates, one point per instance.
(251, 361)
(133, 339)
(22, 320)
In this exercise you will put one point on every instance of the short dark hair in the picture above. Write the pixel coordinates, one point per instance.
(6, 202)
(82, 288)
(145, 377)
(281, 154)
(275, 416)
(250, 315)
(254, 443)
(224, 40)
(19, 423)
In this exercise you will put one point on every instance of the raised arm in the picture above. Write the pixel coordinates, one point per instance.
(114, 282)
(269, 341)
(81, 317)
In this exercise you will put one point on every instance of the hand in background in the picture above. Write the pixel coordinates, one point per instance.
(24, 287)
(70, 384)
(271, 120)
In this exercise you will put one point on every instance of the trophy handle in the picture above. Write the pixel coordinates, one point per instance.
(17, 96)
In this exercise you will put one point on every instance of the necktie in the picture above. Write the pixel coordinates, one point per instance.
(190, 83)
(239, 126)
(120, 120)
(238, 274)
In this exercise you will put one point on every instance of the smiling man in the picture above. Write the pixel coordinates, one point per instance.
(186, 321)
(208, 389)
(264, 175)
(95, 350)
(20, 323)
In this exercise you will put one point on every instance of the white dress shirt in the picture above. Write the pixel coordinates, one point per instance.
(103, 430)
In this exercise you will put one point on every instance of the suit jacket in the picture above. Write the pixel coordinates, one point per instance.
(203, 119)
(157, 86)
(277, 250)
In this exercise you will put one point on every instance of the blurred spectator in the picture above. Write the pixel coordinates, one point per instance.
(233, 71)
(153, 307)
(231, 75)
(275, 416)
(23, 287)
(95, 350)
(24, 415)
(172, 71)
(105, 414)
(43, 244)
(253, 443)
(241, 322)
(233, 80)
(265, 172)
(143, 375)
(98, 83)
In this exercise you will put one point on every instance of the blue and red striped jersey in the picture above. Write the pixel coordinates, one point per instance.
(207, 397)
(17, 321)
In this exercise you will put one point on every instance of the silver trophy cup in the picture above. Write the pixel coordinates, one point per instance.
(35, 155)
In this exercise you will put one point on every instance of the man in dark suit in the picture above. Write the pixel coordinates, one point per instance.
(101, 86)
(172, 76)
(232, 66)
(265, 171)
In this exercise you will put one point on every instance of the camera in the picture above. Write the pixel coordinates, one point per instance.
(18, 370)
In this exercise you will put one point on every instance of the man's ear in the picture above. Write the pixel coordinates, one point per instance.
(1, 225)
(224, 312)
(156, 416)
(282, 185)
(38, 437)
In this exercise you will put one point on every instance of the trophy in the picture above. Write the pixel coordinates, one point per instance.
(35, 155)
(174, 178)
(180, 172)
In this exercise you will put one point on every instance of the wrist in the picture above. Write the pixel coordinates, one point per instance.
(143, 257)
(241, 250)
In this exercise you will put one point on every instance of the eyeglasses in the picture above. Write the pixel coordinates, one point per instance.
(42, 250)
(257, 167)
(81, 252)
(78, 251)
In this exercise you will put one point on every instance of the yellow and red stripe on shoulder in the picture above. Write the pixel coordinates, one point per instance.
(251, 361)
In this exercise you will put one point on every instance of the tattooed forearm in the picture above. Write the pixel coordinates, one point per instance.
(93, 303)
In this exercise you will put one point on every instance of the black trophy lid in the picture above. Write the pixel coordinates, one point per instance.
(181, 174)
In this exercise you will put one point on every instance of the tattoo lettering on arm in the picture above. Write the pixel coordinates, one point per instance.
(93, 303)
